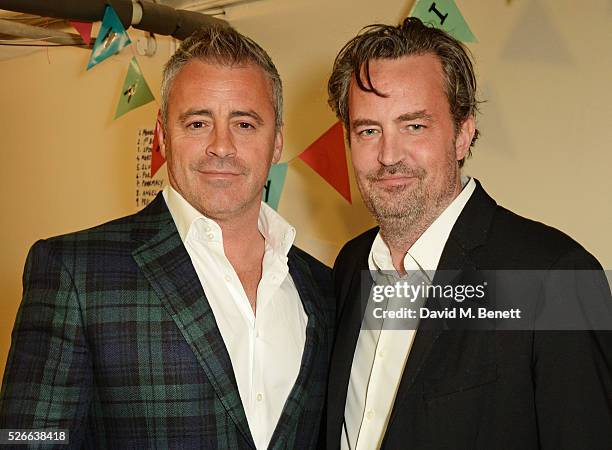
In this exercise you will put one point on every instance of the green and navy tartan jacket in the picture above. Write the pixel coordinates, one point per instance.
(115, 341)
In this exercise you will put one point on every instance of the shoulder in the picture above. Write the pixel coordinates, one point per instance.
(120, 234)
(353, 255)
(524, 241)
(352, 259)
(106, 245)
(497, 238)
(118, 230)
(319, 271)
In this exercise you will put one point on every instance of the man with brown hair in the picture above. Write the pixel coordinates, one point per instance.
(194, 323)
(407, 97)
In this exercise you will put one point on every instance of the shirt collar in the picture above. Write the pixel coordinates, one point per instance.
(425, 253)
(277, 232)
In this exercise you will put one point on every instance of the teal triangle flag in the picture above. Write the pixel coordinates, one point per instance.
(444, 14)
(274, 185)
(112, 37)
(135, 91)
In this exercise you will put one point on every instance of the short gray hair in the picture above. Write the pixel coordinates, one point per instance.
(224, 46)
(412, 37)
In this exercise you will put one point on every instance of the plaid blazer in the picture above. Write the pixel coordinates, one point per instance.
(115, 341)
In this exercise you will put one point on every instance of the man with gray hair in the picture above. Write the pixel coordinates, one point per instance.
(407, 97)
(194, 323)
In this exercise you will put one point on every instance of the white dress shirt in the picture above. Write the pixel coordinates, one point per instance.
(380, 355)
(265, 348)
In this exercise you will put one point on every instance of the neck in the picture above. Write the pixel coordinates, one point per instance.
(241, 232)
(400, 233)
(244, 247)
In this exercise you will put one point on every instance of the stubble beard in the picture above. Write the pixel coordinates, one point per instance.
(405, 212)
(209, 203)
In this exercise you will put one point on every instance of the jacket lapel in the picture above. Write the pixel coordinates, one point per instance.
(469, 232)
(315, 328)
(164, 261)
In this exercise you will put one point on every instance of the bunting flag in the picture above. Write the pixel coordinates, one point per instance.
(274, 185)
(157, 159)
(135, 91)
(112, 37)
(444, 14)
(84, 29)
(327, 157)
(551, 45)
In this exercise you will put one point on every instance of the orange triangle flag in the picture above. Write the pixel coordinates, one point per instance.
(84, 29)
(327, 157)
(157, 160)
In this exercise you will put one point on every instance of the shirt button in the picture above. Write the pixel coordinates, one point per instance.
(381, 353)
(259, 396)
(210, 236)
(207, 228)
(228, 278)
(370, 415)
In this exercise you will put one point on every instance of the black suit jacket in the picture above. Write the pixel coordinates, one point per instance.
(488, 390)
(116, 342)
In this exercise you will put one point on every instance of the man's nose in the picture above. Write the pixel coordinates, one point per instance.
(390, 151)
(221, 144)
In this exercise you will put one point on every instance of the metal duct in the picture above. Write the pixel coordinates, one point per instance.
(159, 19)
(189, 21)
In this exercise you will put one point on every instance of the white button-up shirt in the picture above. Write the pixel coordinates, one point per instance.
(381, 355)
(266, 348)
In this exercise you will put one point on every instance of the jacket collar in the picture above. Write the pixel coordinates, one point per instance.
(469, 232)
(163, 259)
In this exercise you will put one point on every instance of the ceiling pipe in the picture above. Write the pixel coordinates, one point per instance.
(147, 16)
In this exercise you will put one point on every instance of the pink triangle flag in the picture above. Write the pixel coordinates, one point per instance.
(84, 29)
(327, 157)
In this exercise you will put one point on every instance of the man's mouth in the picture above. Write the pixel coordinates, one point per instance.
(220, 174)
(395, 180)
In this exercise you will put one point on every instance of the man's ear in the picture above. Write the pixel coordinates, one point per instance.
(161, 136)
(278, 146)
(464, 138)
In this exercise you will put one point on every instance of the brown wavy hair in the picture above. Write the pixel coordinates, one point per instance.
(411, 37)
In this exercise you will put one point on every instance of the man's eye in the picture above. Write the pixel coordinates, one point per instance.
(245, 125)
(368, 132)
(196, 125)
(416, 127)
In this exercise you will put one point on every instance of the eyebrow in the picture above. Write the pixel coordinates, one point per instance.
(250, 113)
(364, 123)
(422, 114)
(208, 113)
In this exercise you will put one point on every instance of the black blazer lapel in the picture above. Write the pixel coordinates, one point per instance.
(164, 261)
(469, 232)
